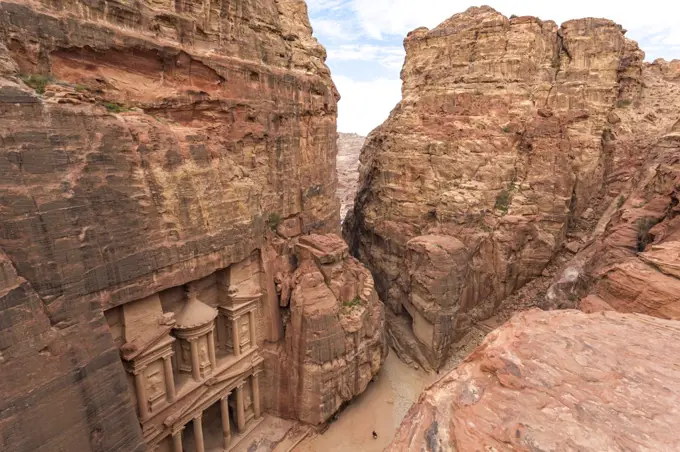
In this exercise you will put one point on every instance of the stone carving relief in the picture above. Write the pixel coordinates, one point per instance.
(155, 385)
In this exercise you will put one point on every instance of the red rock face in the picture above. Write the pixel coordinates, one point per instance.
(349, 149)
(510, 135)
(334, 332)
(145, 145)
(556, 381)
(630, 262)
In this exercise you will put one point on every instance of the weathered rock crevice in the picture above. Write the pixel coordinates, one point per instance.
(549, 380)
(162, 164)
(468, 157)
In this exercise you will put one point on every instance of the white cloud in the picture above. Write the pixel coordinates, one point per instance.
(380, 18)
(321, 5)
(333, 30)
(388, 56)
(365, 105)
(363, 40)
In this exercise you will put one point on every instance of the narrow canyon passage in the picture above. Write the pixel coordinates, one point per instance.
(193, 259)
(381, 408)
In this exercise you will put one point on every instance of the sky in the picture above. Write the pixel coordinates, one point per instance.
(365, 51)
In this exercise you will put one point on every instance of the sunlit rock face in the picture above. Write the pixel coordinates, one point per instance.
(349, 149)
(631, 261)
(555, 381)
(334, 331)
(511, 133)
(145, 145)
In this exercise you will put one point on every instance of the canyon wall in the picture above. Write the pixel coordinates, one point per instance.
(147, 145)
(334, 331)
(631, 260)
(512, 135)
(561, 380)
(349, 149)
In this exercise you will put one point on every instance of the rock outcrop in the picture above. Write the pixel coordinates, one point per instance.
(334, 332)
(556, 381)
(349, 149)
(147, 145)
(631, 261)
(512, 135)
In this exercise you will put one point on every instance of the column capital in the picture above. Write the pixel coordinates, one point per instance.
(177, 430)
(257, 372)
(139, 370)
(199, 416)
(192, 339)
(240, 385)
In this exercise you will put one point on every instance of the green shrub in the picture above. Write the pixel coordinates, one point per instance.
(644, 238)
(620, 202)
(37, 82)
(623, 103)
(506, 129)
(513, 16)
(352, 303)
(503, 201)
(115, 107)
(274, 221)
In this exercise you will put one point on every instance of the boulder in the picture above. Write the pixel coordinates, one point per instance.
(506, 140)
(334, 333)
(556, 381)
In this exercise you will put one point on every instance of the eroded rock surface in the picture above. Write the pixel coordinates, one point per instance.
(556, 381)
(631, 261)
(334, 332)
(147, 145)
(349, 149)
(510, 136)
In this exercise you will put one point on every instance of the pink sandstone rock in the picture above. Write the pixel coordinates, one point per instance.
(334, 335)
(556, 381)
(156, 155)
(512, 137)
(349, 149)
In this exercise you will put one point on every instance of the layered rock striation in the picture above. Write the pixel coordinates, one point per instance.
(556, 381)
(334, 331)
(145, 146)
(630, 261)
(349, 149)
(511, 134)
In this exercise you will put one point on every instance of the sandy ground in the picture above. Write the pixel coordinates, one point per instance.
(380, 408)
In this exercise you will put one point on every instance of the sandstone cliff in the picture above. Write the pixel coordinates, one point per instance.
(630, 261)
(334, 331)
(349, 149)
(146, 145)
(512, 137)
(556, 381)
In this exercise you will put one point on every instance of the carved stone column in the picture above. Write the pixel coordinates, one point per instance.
(253, 331)
(219, 331)
(198, 433)
(240, 408)
(226, 430)
(140, 389)
(169, 378)
(235, 336)
(211, 349)
(195, 363)
(255, 384)
(177, 440)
